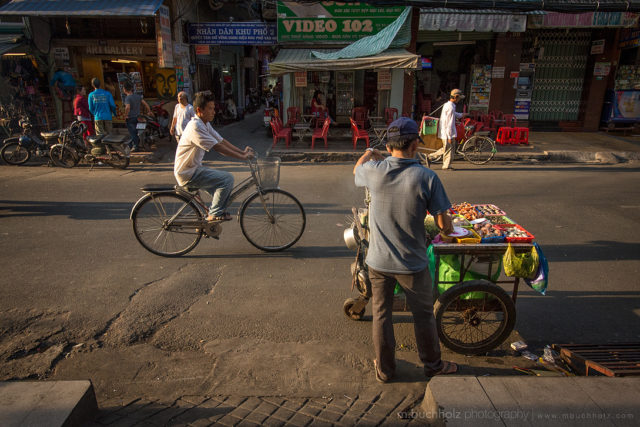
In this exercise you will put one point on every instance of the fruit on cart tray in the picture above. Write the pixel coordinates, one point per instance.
(515, 232)
(500, 219)
(486, 229)
(489, 210)
(466, 210)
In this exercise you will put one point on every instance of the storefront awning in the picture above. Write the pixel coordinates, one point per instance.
(292, 60)
(81, 8)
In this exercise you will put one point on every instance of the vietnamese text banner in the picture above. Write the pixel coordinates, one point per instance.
(330, 21)
(233, 33)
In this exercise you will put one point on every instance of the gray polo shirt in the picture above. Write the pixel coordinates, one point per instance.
(134, 101)
(402, 191)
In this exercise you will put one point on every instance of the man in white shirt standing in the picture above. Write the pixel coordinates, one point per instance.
(447, 131)
(197, 138)
(182, 113)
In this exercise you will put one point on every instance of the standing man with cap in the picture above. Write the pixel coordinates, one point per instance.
(402, 191)
(448, 132)
(102, 106)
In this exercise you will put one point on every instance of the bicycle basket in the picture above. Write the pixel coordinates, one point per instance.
(269, 171)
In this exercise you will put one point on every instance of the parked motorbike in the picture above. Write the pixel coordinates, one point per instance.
(149, 132)
(18, 150)
(252, 101)
(112, 150)
(161, 118)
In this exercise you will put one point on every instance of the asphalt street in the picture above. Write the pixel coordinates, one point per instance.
(82, 299)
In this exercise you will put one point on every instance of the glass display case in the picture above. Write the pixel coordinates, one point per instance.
(344, 96)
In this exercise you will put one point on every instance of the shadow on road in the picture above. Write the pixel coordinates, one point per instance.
(597, 250)
(73, 210)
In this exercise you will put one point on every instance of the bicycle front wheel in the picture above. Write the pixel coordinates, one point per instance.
(479, 150)
(272, 220)
(163, 224)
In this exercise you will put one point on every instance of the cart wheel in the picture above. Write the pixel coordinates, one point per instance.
(352, 304)
(474, 317)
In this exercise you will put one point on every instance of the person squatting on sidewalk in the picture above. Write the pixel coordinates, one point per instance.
(199, 137)
(402, 191)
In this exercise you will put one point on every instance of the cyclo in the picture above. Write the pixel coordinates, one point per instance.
(169, 220)
(472, 316)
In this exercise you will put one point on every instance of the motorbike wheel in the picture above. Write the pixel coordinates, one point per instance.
(15, 154)
(64, 157)
(118, 160)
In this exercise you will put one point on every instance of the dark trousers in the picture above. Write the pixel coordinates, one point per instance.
(132, 122)
(417, 289)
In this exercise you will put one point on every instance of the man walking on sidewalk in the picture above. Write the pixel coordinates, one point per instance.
(402, 191)
(448, 132)
(133, 103)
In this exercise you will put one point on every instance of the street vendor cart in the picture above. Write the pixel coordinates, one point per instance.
(473, 312)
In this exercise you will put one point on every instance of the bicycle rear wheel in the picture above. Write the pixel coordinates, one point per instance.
(275, 225)
(154, 230)
(478, 150)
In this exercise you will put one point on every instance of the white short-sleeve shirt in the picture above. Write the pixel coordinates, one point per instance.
(197, 138)
(183, 115)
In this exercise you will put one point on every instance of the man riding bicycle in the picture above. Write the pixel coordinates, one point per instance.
(197, 138)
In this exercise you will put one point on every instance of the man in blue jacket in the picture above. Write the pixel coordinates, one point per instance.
(102, 106)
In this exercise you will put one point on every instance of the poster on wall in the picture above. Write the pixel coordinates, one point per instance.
(384, 79)
(163, 38)
(135, 78)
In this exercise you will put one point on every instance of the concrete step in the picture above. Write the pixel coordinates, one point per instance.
(531, 401)
(47, 403)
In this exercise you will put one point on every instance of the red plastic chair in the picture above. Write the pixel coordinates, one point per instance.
(509, 120)
(506, 135)
(522, 136)
(280, 132)
(358, 134)
(359, 115)
(390, 114)
(293, 116)
(487, 123)
(321, 133)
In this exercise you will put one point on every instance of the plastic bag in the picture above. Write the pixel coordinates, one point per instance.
(541, 279)
(520, 265)
(449, 271)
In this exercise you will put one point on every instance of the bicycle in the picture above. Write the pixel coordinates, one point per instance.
(476, 149)
(170, 220)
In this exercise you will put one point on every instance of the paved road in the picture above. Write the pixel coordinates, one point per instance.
(81, 299)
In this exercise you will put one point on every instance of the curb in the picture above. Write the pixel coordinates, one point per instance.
(601, 157)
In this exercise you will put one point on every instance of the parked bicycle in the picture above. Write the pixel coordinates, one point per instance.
(170, 220)
(474, 148)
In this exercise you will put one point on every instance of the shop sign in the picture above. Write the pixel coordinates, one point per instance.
(514, 74)
(521, 109)
(232, 33)
(115, 50)
(597, 47)
(332, 22)
(584, 20)
(163, 38)
(202, 49)
(301, 79)
(384, 79)
(61, 55)
(602, 69)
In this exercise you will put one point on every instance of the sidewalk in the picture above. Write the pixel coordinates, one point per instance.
(564, 147)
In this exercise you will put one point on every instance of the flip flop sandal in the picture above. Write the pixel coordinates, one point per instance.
(379, 377)
(448, 368)
(224, 217)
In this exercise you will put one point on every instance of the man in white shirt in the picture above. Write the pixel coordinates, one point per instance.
(447, 127)
(182, 113)
(197, 138)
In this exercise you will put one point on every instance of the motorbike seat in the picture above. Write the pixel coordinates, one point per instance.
(95, 139)
(52, 134)
(115, 139)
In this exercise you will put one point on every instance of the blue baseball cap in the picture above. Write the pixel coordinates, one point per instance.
(402, 126)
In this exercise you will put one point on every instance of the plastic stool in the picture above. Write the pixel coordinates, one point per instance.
(521, 136)
(505, 135)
